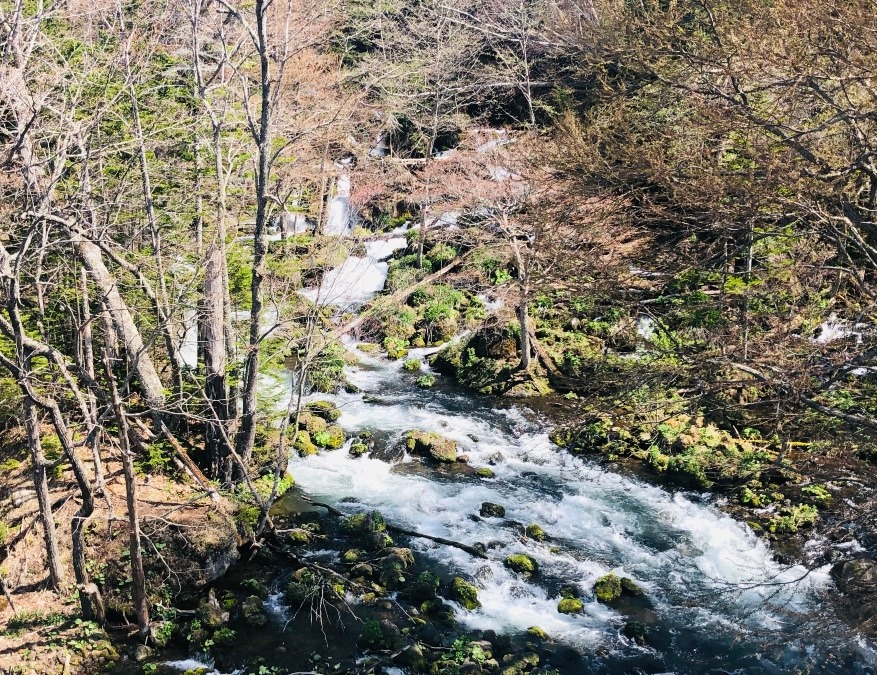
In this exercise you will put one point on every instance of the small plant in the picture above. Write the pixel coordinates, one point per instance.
(412, 365)
(426, 381)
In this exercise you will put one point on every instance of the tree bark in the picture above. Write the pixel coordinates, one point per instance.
(138, 577)
(41, 485)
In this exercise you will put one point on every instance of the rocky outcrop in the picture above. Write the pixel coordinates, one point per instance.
(431, 445)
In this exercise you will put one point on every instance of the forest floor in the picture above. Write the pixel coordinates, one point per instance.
(188, 540)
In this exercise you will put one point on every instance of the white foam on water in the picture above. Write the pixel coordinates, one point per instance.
(678, 550)
(356, 280)
(193, 664)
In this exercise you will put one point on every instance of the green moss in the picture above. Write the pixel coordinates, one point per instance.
(358, 449)
(332, 438)
(368, 347)
(793, 518)
(522, 564)
(303, 444)
(607, 588)
(817, 494)
(570, 606)
(465, 593)
(535, 532)
(396, 347)
(430, 444)
(484, 472)
(538, 633)
(324, 409)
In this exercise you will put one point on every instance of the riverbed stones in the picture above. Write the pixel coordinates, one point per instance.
(491, 510)
(431, 445)
(464, 593)
(522, 564)
(484, 472)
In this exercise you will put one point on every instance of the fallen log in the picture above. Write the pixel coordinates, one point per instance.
(471, 550)
(394, 298)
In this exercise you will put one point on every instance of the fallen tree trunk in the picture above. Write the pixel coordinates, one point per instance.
(398, 296)
(471, 550)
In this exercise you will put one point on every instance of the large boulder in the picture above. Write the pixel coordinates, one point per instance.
(431, 445)
(464, 593)
(522, 564)
(324, 409)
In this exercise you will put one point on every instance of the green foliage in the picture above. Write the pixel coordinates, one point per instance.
(157, 459)
(426, 381)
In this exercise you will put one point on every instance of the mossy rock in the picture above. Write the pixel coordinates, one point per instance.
(332, 438)
(303, 444)
(570, 606)
(629, 587)
(538, 633)
(357, 449)
(299, 537)
(369, 347)
(464, 593)
(253, 610)
(535, 532)
(484, 472)
(607, 588)
(430, 444)
(491, 510)
(350, 556)
(636, 631)
(522, 564)
(311, 422)
(324, 409)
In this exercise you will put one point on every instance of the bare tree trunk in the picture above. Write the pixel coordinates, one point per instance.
(138, 576)
(247, 432)
(215, 364)
(41, 485)
(523, 320)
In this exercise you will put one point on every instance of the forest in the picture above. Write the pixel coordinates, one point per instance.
(438, 336)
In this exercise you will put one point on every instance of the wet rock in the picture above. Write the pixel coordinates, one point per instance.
(538, 633)
(855, 576)
(357, 449)
(253, 610)
(481, 650)
(522, 564)
(380, 635)
(463, 459)
(141, 653)
(496, 458)
(324, 409)
(484, 472)
(331, 438)
(535, 532)
(311, 422)
(432, 445)
(411, 657)
(464, 593)
(389, 452)
(491, 510)
(350, 556)
(304, 445)
(210, 613)
(629, 587)
(607, 588)
(610, 587)
(299, 537)
(518, 665)
(636, 631)
(570, 606)
(471, 668)
(569, 592)
(362, 570)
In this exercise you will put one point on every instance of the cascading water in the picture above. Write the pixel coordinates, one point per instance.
(358, 279)
(717, 597)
